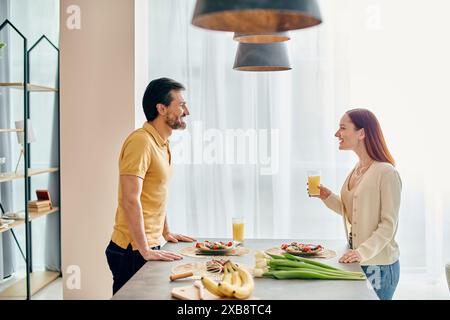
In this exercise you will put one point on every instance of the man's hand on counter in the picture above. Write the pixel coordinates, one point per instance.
(161, 255)
(174, 237)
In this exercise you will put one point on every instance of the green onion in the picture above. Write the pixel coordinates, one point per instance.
(292, 267)
(303, 265)
(275, 256)
(307, 274)
(295, 258)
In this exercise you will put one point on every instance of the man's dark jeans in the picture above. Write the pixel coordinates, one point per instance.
(123, 263)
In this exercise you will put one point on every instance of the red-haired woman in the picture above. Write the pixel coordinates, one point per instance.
(369, 201)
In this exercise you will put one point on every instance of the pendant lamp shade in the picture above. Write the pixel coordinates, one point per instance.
(256, 16)
(262, 57)
(266, 37)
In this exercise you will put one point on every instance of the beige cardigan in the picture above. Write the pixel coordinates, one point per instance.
(376, 203)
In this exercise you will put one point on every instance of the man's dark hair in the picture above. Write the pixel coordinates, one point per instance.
(158, 91)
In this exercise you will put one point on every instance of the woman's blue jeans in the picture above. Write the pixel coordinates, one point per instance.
(384, 279)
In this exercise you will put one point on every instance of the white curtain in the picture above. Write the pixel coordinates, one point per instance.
(292, 117)
(279, 115)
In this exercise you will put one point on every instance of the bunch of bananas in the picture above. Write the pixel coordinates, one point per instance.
(236, 282)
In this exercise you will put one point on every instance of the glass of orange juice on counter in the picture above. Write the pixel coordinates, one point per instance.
(238, 230)
(313, 182)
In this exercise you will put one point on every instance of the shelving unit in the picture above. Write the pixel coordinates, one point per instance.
(31, 172)
(32, 216)
(30, 87)
(34, 280)
(10, 130)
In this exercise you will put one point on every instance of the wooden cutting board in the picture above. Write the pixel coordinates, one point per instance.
(191, 293)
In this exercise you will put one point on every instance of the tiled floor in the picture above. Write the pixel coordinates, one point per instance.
(409, 288)
(54, 291)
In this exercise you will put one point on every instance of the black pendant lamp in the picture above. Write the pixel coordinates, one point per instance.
(265, 37)
(256, 16)
(262, 57)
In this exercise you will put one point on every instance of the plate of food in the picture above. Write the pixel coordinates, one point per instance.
(302, 249)
(214, 247)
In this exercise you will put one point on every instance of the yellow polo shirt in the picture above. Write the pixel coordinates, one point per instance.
(145, 155)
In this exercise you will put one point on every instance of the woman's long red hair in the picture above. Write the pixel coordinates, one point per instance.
(375, 144)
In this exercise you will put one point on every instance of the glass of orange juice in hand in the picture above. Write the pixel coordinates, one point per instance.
(313, 182)
(238, 230)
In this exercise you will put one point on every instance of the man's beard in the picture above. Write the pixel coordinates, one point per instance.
(176, 123)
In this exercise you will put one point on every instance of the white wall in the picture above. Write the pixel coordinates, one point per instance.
(141, 76)
(97, 113)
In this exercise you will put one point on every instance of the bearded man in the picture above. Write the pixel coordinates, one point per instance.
(145, 167)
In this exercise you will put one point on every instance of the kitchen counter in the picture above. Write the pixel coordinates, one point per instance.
(152, 282)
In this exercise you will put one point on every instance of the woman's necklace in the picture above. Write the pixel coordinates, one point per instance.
(359, 172)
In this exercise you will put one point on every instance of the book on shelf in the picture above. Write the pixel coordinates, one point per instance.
(39, 210)
(39, 204)
(43, 194)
